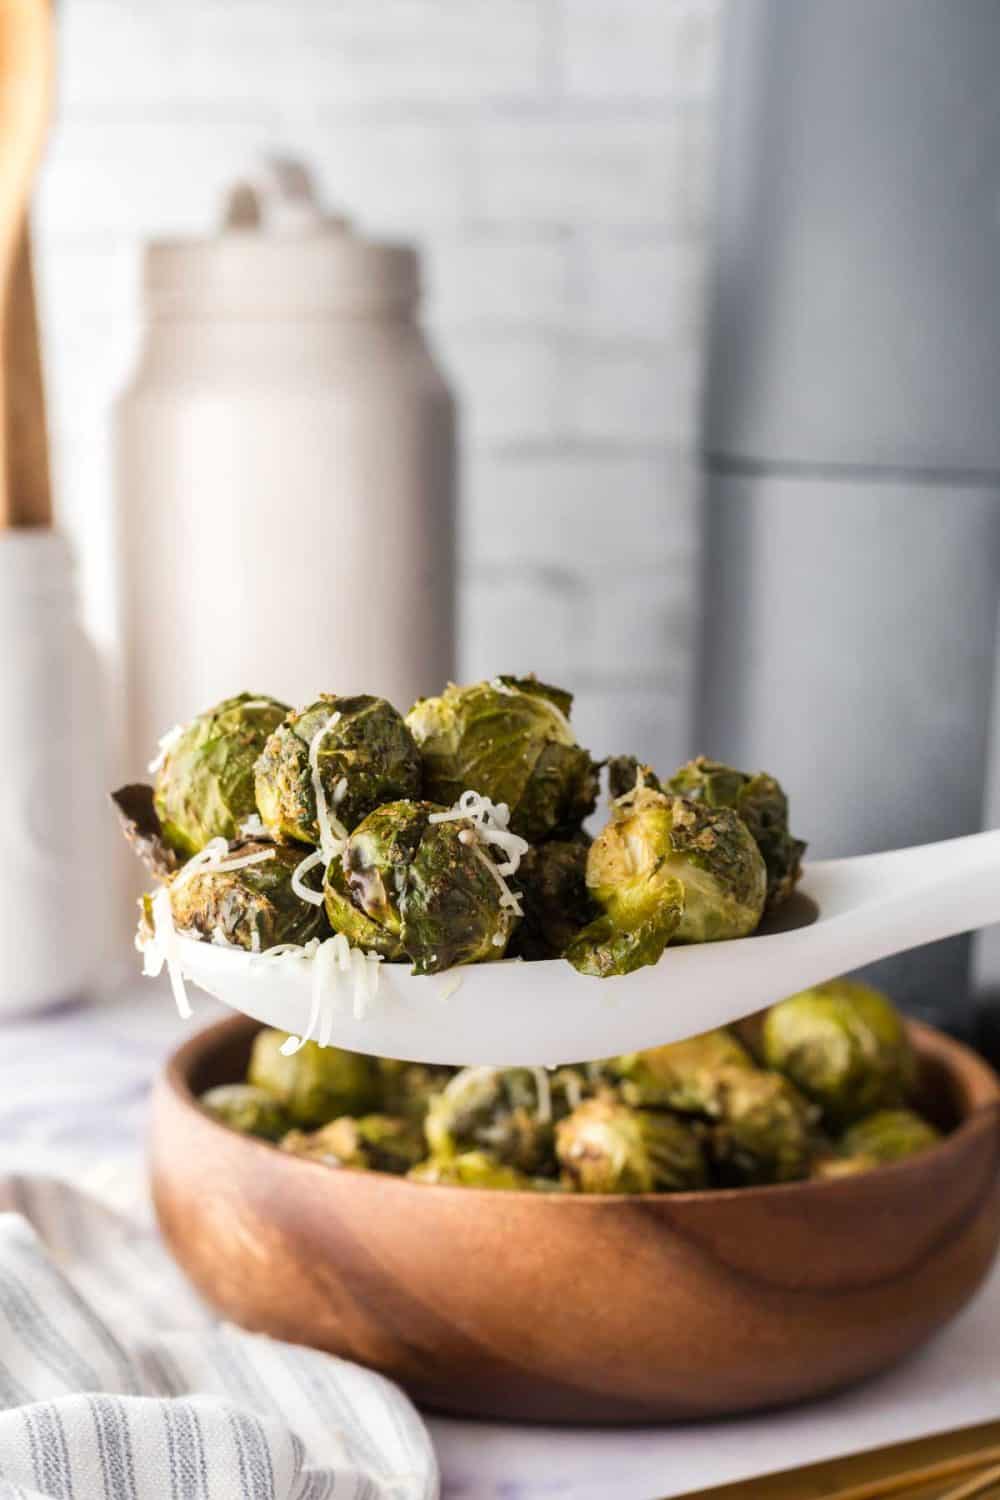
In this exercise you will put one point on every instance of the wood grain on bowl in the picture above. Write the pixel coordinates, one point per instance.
(548, 1308)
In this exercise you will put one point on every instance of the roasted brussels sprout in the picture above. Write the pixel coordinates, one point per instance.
(667, 870)
(688, 1076)
(765, 1130)
(606, 1147)
(358, 751)
(204, 787)
(625, 771)
(246, 899)
(552, 879)
(510, 740)
(377, 1143)
(844, 1045)
(249, 1110)
(761, 804)
(315, 1084)
(478, 1169)
(408, 1087)
(509, 1112)
(406, 886)
(888, 1135)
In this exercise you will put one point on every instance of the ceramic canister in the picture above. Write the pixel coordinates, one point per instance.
(285, 458)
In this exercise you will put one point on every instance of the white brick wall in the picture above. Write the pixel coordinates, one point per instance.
(551, 157)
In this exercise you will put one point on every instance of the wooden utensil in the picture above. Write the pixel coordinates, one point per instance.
(921, 1469)
(851, 912)
(26, 70)
(544, 1307)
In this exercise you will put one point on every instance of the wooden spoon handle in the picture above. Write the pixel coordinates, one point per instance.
(26, 63)
(28, 490)
(907, 1480)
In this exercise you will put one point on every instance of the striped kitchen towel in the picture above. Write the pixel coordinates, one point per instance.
(117, 1384)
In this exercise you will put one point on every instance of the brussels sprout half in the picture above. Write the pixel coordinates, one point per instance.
(667, 870)
(510, 740)
(844, 1045)
(606, 1147)
(204, 786)
(405, 886)
(376, 1143)
(360, 751)
(251, 906)
(315, 1084)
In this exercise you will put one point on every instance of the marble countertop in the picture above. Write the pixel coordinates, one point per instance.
(74, 1086)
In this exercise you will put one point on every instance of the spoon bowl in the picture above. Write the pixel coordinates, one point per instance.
(848, 912)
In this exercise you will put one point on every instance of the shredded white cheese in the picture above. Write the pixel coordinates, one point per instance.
(166, 743)
(255, 828)
(508, 901)
(163, 949)
(292, 950)
(198, 863)
(293, 1044)
(332, 833)
(325, 966)
(332, 962)
(240, 862)
(544, 1095)
(489, 822)
(212, 861)
(303, 891)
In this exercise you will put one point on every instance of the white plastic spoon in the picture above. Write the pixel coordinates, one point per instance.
(848, 912)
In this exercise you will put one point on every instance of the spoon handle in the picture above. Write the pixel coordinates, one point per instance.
(907, 897)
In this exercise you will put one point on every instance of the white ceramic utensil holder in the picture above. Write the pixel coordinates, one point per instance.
(53, 880)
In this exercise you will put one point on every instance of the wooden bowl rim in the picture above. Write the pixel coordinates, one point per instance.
(979, 1078)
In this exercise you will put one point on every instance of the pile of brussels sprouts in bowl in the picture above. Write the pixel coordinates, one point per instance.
(453, 835)
(822, 1086)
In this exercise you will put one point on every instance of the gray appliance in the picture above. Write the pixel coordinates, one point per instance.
(852, 426)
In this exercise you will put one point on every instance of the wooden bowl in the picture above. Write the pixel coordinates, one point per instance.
(577, 1309)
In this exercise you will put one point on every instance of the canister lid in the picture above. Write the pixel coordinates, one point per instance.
(278, 253)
